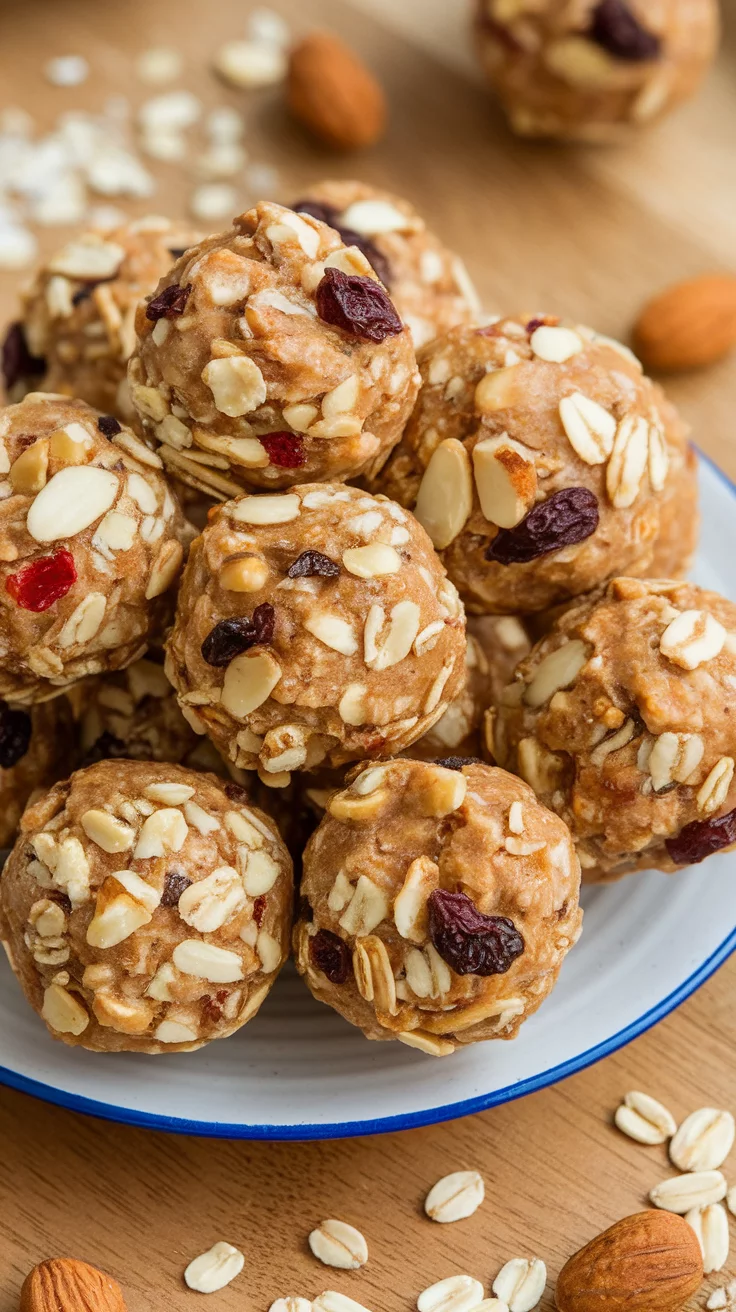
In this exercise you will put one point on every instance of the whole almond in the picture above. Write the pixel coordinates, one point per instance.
(689, 325)
(649, 1262)
(333, 94)
(62, 1284)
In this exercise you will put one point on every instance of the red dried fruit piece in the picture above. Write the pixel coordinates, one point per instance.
(567, 517)
(360, 306)
(311, 563)
(170, 302)
(175, 883)
(471, 943)
(614, 27)
(702, 838)
(15, 735)
(16, 362)
(237, 793)
(284, 449)
(109, 425)
(259, 910)
(38, 585)
(231, 637)
(330, 955)
(330, 215)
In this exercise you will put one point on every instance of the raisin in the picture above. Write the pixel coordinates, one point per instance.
(330, 955)
(170, 302)
(471, 943)
(17, 362)
(701, 839)
(38, 585)
(211, 1009)
(109, 426)
(284, 449)
(313, 562)
(15, 735)
(458, 762)
(106, 747)
(176, 252)
(614, 27)
(236, 792)
(231, 637)
(175, 883)
(259, 910)
(330, 215)
(566, 517)
(358, 305)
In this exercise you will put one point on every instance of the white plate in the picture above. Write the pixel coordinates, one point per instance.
(298, 1071)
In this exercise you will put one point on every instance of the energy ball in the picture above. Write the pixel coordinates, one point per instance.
(539, 459)
(439, 904)
(271, 355)
(623, 720)
(429, 285)
(145, 909)
(593, 70)
(314, 627)
(76, 330)
(34, 753)
(91, 541)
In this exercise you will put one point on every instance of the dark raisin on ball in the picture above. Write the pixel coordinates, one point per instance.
(175, 883)
(231, 637)
(15, 735)
(702, 838)
(617, 30)
(106, 747)
(16, 360)
(360, 306)
(330, 955)
(311, 563)
(284, 449)
(565, 518)
(471, 943)
(237, 793)
(109, 425)
(458, 762)
(330, 215)
(168, 303)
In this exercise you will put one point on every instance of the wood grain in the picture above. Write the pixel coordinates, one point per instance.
(580, 232)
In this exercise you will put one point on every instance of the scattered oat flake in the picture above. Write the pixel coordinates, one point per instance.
(455, 1196)
(158, 65)
(213, 201)
(18, 247)
(214, 1269)
(67, 70)
(724, 1297)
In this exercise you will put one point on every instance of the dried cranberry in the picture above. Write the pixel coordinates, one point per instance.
(17, 362)
(458, 762)
(237, 793)
(109, 426)
(175, 883)
(170, 302)
(360, 306)
(284, 449)
(259, 910)
(313, 562)
(566, 517)
(330, 215)
(701, 839)
(330, 955)
(212, 1007)
(15, 735)
(106, 747)
(231, 637)
(533, 324)
(471, 943)
(614, 27)
(38, 585)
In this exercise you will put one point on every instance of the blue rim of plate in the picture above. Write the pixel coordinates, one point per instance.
(409, 1120)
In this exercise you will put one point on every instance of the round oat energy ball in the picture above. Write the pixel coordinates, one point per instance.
(34, 753)
(438, 903)
(429, 285)
(91, 542)
(623, 720)
(593, 70)
(76, 331)
(314, 627)
(146, 909)
(539, 459)
(272, 355)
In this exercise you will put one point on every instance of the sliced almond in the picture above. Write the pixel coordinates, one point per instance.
(558, 670)
(249, 681)
(236, 383)
(28, 472)
(71, 501)
(266, 509)
(505, 479)
(371, 561)
(498, 390)
(206, 961)
(63, 1012)
(445, 497)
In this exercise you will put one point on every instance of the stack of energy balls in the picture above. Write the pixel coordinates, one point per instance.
(369, 459)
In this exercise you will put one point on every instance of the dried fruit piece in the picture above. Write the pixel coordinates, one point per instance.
(333, 94)
(175, 883)
(286, 450)
(168, 303)
(458, 762)
(109, 426)
(471, 943)
(15, 735)
(701, 838)
(38, 585)
(311, 563)
(331, 216)
(617, 29)
(564, 519)
(231, 637)
(65, 1284)
(360, 306)
(650, 1262)
(330, 954)
(16, 361)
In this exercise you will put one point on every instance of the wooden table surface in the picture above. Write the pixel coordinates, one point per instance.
(583, 232)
